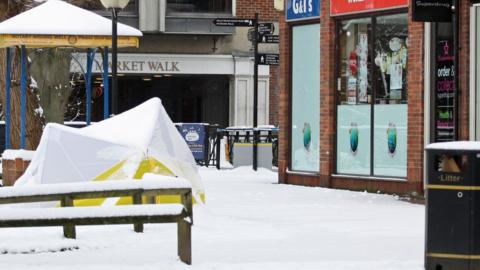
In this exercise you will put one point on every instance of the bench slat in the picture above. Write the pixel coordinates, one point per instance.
(168, 184)
(91, 211)
(94, 215)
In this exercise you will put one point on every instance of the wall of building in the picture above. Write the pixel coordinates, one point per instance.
(236, 44)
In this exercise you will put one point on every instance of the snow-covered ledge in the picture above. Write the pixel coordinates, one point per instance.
(14, 164)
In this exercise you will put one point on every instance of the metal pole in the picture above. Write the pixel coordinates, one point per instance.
(218, 148)
(114, 63)
(8, 80)
(89, 86)
(255, 94)
(23, 95)
(106, 85)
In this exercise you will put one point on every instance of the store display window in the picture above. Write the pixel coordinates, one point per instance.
(372, 96)
(305, 91)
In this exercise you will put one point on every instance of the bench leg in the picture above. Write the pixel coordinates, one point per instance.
(185, 241)
(69, 231)
(137, 199)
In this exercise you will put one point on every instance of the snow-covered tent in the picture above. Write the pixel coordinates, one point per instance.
(141, 140)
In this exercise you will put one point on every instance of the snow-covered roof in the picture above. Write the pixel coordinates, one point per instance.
(56, 17)
(459, 145)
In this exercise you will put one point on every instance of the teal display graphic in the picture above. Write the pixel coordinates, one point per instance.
(307, 136)
(354, 138)
(392, 139)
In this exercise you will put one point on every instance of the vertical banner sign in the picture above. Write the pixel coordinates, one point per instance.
(445, 94)
(302, 9)
(194, 135)
(432, 10)
(342, 7)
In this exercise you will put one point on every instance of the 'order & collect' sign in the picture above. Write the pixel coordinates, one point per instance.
(341, 7)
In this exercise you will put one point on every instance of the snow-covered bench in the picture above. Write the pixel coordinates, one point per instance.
(68, 216)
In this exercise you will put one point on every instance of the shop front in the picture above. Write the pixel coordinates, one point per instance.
(193, 88)
(367, 110)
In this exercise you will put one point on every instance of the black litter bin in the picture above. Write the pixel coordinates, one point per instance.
(453, 206)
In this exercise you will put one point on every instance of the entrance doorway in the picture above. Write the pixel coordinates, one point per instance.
(186, 98)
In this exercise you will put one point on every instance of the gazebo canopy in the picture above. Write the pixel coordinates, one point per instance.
(56, 23)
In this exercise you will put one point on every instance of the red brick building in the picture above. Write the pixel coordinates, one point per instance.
(361, 101)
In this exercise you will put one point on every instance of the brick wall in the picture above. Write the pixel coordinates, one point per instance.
(12, 170)
(415, 139)
(327, 94)
(413, 185)
(267, 13)
(464, 69)
(247, 8)
(283, 101)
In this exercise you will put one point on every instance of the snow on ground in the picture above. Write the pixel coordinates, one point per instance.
(249, 222)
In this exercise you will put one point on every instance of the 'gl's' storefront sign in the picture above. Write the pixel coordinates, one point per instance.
(342, 7)
(302, 9)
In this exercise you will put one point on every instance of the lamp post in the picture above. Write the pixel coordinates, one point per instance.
(115, 6)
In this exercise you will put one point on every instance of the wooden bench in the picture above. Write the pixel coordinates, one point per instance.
(137, 214)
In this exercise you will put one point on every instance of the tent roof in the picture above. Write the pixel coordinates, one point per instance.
(55, 17)
(58, 18)
(126, 140)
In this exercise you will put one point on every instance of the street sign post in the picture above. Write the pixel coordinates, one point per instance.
(266, 28)
(269, 39)
(259, 33)
(268, 59)
(239, 22)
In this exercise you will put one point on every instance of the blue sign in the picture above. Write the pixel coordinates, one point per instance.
(194, 135)
(302, 9)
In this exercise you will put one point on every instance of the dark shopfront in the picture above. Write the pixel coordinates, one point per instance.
(370, 121)
(186, 98)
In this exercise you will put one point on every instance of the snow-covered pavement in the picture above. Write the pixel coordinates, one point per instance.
(249, 222)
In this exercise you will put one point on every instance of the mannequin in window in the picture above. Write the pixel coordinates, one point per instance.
(392, 63)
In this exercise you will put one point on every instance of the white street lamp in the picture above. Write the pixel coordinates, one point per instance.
(115, 6)
(121, 4)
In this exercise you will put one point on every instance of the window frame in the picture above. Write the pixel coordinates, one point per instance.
(337, 69)
(292, 25)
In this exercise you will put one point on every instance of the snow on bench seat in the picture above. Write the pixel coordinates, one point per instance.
(161, 182)
(93, 212)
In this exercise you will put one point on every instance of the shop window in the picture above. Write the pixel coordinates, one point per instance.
(194, 6)
(391, 38)
(305, 132)
(372, 96)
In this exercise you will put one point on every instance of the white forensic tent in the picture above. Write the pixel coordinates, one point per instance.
(141, 140)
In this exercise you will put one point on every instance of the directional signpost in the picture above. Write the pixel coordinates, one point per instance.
(260, 33)
(268, 59)
(266, 28)
(239, 22)
(269, 39)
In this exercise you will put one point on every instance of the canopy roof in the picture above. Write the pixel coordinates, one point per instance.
(56, 23)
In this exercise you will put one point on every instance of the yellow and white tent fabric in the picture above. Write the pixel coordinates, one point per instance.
(127, 146)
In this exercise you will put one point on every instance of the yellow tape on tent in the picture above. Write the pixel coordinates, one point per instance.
(150, 165)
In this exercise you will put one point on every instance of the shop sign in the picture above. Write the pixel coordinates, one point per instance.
(445, 92)
(342, 7)
(194, 135)
(302, 9)
(432, 10)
